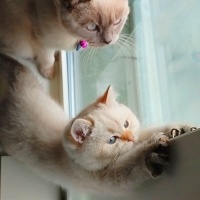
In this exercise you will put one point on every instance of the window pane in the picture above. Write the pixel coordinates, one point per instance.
(158, 80)
(167, 34)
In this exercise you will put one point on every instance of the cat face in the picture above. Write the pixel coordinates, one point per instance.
(102, 131)
(97, 22)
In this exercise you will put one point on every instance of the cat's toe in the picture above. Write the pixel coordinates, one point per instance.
(193, 128)
(160, 139)
(156, 163)
(180, 129)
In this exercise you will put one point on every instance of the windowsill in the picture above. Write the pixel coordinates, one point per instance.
(20, 183)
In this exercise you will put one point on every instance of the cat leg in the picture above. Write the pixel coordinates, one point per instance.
(45, 60)
(171, 130)
(149, 157)
(158, 158)
(156, 142)
(143, 162)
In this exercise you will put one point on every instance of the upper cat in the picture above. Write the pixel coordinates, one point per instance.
(102, 149)
(35, 29)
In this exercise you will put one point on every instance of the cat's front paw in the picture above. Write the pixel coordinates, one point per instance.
(159, 139)
(179, 129)
(157, 163)
(48, 73)
(158, 159)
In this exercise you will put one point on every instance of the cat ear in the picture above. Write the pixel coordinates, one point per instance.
(80, 129)
(108, 97)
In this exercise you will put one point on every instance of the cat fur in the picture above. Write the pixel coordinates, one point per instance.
(77, 153)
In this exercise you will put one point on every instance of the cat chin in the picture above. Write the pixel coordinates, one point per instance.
(97, 45)
(100, 45)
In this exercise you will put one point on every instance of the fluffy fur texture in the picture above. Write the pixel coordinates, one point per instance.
(35, 29)
(102, 149)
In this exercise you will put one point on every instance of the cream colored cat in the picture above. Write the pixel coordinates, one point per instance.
(102, 149)
(35, 29)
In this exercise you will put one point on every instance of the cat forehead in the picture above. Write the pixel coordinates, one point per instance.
(104, 11)
(112, 8)
(110, 4)
(114, 114)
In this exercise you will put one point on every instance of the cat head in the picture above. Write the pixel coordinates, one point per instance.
(103, 130)
(99, 22)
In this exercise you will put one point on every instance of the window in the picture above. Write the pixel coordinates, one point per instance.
(91, 71)
(168, 63)
(156, 71)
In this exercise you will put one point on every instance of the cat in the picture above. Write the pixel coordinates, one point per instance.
(35, 29)
(101, 150)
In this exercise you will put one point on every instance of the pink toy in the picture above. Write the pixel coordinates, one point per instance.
(82, 44)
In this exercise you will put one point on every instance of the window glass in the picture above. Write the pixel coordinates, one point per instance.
(157, 69)
(167, 35)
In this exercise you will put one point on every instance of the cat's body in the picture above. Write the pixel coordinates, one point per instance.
(102, 149)
(35, 29)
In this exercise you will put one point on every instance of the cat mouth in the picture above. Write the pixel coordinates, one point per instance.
(99, 45)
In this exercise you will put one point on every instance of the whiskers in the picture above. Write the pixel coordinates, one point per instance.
(124, 47)
(87, 59)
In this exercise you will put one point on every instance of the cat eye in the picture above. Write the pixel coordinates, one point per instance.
(112, 140)
(92, 27)
(126, 124)
(117, 21)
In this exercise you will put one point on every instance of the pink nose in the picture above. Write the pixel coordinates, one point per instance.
(128, 136)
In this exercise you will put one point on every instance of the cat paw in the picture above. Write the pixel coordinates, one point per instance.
(156, 163)
(159, 139)
(47, 73)
(157, 160)
(179, 129)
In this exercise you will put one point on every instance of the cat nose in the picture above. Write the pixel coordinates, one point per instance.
(127, 136)
(107, 41)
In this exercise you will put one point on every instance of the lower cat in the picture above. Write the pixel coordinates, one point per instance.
(102, 149)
